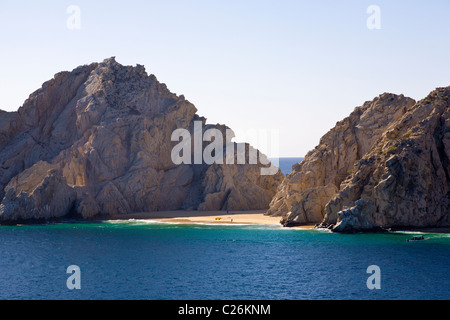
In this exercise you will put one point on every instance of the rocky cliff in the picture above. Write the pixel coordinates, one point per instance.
(384, 166)
(97, 142)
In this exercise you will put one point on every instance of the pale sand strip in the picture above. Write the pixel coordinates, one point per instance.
(208, 217)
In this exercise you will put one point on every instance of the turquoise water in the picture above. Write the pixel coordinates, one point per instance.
(141, 260)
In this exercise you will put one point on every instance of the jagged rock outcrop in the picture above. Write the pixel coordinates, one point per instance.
(97, 142)
(404, 180)
(384, 166)
(303, 195)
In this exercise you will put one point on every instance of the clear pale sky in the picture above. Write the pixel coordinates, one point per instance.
(293, 66)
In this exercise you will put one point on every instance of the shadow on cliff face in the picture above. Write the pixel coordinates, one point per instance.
(392, 153)
(97, 141)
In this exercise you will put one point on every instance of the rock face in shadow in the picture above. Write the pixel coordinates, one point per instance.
(403, 180)
(385, 166)
(97, 142)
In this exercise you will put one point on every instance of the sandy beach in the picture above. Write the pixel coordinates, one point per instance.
(210, 217)
(235, 217)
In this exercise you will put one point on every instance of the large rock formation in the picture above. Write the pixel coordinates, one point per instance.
(97, 142)
(404, 180)
(385, 166)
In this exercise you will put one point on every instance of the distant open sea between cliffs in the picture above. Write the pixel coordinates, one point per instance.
(138, 259)
(285, 163)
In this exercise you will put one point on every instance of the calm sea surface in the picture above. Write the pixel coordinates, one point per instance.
(148, 260)
(285, 164)
(142, 260)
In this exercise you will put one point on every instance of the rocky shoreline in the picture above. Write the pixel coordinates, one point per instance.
(98, 142)
(207, 217)
(385, 166)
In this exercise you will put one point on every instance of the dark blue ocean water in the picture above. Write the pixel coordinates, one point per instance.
(141, 260)
(285, 164)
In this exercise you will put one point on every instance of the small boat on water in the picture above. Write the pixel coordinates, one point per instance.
(417, 238)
